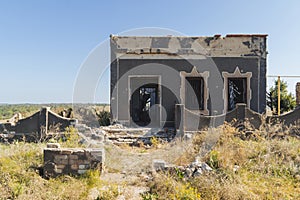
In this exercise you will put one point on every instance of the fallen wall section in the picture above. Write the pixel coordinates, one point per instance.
(71, 161)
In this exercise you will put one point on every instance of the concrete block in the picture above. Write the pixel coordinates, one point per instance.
(53, 145)
(81, 166)
(159, 165)
(73, 157)
(64, 162)
(97, 154)
(74, 167)
(58, 171)
(60, 157)
(66, 151)
(81, 171)
(60, 166)
(72, 162)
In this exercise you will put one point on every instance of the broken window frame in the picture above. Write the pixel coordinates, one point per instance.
(194, 73)
(194, 88)
(237, 92)
(236, 74)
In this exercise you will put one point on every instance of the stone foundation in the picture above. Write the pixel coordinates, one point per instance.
(71, 161)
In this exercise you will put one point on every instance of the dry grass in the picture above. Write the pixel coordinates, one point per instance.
(254, 167)
(20, 179)
(249, 164)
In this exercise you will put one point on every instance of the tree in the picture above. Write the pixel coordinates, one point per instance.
(103, 117)
(287, 100)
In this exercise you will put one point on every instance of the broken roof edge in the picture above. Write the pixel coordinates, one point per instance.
(247, 35)
(183, 36)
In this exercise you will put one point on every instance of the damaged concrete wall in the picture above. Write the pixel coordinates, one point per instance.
(192, 122)
(39, 123)
(216, 46)
(140, 56)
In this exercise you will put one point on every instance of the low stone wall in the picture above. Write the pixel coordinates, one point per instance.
(190, 121)
(71, 161)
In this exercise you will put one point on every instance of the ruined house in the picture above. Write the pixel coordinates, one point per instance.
(155, 79)
(36, 126)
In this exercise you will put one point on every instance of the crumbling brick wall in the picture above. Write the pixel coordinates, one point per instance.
(71, 161)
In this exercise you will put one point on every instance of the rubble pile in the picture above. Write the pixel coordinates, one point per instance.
(118, 134)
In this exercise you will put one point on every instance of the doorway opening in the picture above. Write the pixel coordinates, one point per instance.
(142, 113)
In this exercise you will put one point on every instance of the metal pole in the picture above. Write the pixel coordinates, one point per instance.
(278, 94)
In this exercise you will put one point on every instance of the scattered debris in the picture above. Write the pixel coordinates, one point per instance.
(192, 170)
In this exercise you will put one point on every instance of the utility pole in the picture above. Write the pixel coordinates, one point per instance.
(278, 88)
(278, 94)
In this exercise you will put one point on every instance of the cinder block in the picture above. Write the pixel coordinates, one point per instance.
(60, 157)
(64, 162)
(60, 166)
(58, 171)
(53, 145)
(72, 162)
(81, 171)
(80, 162)
(74, 167)
(73, 156)
(97, 155)
(81, 166)
(66, 151)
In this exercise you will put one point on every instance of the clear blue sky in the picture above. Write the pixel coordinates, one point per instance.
(42, 41)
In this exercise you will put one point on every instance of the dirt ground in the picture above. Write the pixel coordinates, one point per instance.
(131, 167)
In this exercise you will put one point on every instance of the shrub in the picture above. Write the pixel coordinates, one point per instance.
(103, 118)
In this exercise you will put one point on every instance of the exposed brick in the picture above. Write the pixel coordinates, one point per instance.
(73, 156)
(61, 157)
(67, 151)
(53, 145)
(74, 167)
(60, 166)
(65, 162)
(71, 161)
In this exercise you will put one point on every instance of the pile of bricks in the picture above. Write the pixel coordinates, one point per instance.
(71, 161)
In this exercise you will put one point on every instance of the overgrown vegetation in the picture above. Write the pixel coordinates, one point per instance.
(254, 167)
(103, 116)
(247, 164)
(20, 169)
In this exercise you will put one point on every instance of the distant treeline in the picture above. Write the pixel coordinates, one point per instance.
(8, 110)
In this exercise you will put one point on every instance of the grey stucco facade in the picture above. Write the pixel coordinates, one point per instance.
(161, 71)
